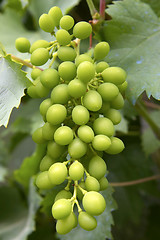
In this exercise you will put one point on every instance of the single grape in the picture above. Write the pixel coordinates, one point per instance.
(82, 58)
(61, 208)
(31, 91)
(57, 173)
(22, 44)
(85, 133)
(44, 106)
(35, 73)
(103, 126)
(87, 221)
(42, 181)
(77, 148)
(41, 91)
(116, 146)
(105, 107)
(48, 131)
(92, 184)
(92, 100)
(65, 225)
(101, 66)
(79, 192)
(94, 203)
(101, 142)
(101, 50)
(40, 56)
(39, 44)
(114, 75)
(108, 91)
(67, 70)
(122, 87)
(82, 30)
(80, 115)
(63, 194)
(76, 171)
(60, 94)
(46, 162)
(85, 71)
(37, 136)
(63, 135)
(114, 115)
(118, 102)
(55, 150)
(56, 114)
(56, 14)
(66, 53)
(103, 183)
(76, 88)
(46, 23)
(66, 22)
(97, 167)
(49, 78)
(63, 37)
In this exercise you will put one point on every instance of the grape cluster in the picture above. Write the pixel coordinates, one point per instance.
(79, 117)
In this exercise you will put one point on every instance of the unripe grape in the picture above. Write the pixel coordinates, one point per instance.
(92, 100)
(63, 194)
(122, 87)
(63, 135)
(87, 221)
(114, 75)
(49, 78)
(35, 73)
(46, 162)
(57, 173)
(60, 94)
(80, 115)
(44, 106)
(85, 133)
(101, 142)
(118, 102)
(66, 22)
(82, 58)
(56, 14)
(61, 208)
(39, 44)
(116, 146)
(82, 30)
(37, 136)
(97, 167)
(40, 56)
(114, 115)
(63, 37)
(85, 71)
(67, 70)
(76, 171)
(55, 150)
(101, 50)
(105, 107)
(40, 89)
(66, 53)
(56, 114)
(101, 66)
(65, 225)
(103, 126)
(22, 44)
(108, 91)
(76, 88)
(46, 23)
(48, 131)
(77, 148)
(103, 183)
(94, 203)
(31, 91)
(43, 182)
(92, 184)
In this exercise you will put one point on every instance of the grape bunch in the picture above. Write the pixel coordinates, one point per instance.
(83, 98)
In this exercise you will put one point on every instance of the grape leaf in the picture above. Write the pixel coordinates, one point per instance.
(133, 34)
(12, 85)
(155, 5)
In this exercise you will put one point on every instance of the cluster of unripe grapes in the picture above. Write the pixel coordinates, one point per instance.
(79, 117)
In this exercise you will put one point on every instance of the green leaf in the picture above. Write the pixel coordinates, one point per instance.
(155, 5)
(133, 34)
(12, 85)
(2, 50)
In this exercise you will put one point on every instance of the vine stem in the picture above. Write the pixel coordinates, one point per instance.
(138, 181)
(91, 7)
(102, 8)
(23, 62)
(151, 105)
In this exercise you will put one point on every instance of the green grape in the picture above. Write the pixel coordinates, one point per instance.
(22, 44)
(31, 91)
(82, 58)
(60, 94)
(92, 184)
(56, 114)
(56, 14)
(65, 225)
(103, 183)
(103, 126)
(114, 115)
(55, 150)
(114, 75)
(94, 203)
(49, 78)
(122, 87)
(67, 70)
(61, 208)
(85, 71)
(63, 37)
(108, 91)
(79, 192)
(37, 136)
(101, 50)
(63, 135)
(48, 131)
(46, 162)
(76, 171)
(101, 66)
(77, 148)
(43, 182)
(63, 194)
(118, 102)
(35, 73)
(101, 142)
(97, 167)
(105, 107)
(40, 56)
(57, 173)
(66, 53)
(87, 221)
(82, 30)
(46, 23)
(41, 91)
(80, 115)
(76, 88)
(39, 44)
(66, 22)
(92, 100)
(85, 133)
(116, 146)
(44, 106)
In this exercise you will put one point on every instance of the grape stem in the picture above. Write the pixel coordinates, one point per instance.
(82, 190)
(92, 8)
(102, 8)
(53, 59)
(23, 62)
(68, 185)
